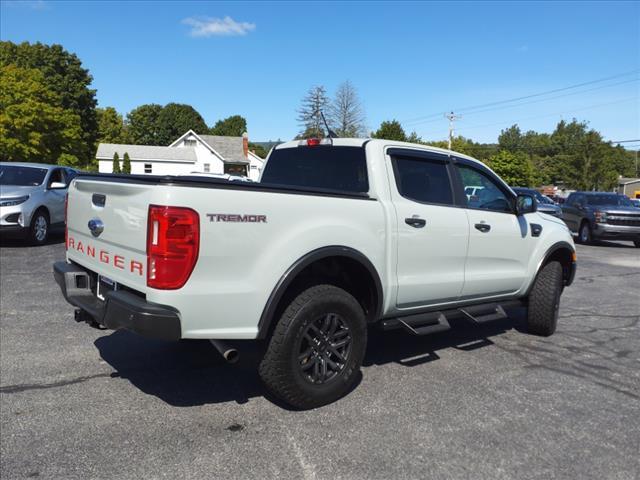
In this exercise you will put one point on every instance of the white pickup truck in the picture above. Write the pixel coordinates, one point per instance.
(339, 235)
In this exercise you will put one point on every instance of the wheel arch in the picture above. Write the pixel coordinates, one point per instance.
(37, 209)
(337, 265)
(564, 253)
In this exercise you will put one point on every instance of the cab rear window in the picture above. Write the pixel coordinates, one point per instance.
(325, 167)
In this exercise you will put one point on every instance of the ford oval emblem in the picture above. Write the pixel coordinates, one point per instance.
(96, 226)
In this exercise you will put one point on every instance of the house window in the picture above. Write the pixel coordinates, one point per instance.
(147, 168)
(190, 143)
(207, 167)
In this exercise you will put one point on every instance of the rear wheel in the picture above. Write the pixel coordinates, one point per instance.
(544, 300)
(39, 229)
(316, 350)
(584, 235)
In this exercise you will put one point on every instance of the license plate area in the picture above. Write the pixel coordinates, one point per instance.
(104, 285)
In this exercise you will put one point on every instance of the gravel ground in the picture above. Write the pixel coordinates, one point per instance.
(475, 402)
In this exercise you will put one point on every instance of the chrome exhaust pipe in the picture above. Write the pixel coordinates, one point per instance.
(230, 354)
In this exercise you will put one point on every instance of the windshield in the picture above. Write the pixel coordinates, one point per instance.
(21, 176)
(617, 200)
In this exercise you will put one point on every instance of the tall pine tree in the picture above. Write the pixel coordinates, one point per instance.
(309, 117)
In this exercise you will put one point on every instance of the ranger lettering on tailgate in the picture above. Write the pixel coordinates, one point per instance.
(104, 256)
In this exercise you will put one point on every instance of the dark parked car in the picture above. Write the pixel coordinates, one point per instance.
(545, 204)
(601, 215)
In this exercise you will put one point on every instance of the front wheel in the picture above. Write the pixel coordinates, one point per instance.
(544, 300)
(39, 229)
(317, 347)
(584, 235)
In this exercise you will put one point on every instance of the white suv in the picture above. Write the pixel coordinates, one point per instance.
(32, 199)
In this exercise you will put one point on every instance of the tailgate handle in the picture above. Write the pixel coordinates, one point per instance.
(98, 199)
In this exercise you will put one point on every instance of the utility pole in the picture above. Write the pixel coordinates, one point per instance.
(452, 118)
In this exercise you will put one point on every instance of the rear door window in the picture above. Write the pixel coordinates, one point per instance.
(422, 180)
(327, 167)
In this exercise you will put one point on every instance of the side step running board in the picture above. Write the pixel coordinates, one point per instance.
(483, 315)
(422, 324)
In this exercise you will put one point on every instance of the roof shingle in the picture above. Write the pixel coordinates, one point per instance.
(146, 152)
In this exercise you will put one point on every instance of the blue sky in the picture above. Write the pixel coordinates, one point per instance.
(407, 60)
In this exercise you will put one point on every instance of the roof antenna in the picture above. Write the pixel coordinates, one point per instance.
(330, 133)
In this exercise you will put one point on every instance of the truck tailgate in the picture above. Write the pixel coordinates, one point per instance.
(120, 211)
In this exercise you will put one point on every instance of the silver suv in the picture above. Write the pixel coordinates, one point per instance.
(32, 197)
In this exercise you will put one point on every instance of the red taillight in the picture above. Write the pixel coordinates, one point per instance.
(312, 142)
(66, 230)
(173, 239)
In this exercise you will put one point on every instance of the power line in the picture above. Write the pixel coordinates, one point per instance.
(512, 122)
(501, 102)
(535, 101)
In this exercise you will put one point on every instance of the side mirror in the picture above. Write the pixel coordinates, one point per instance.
(525, 203)
(57, 186)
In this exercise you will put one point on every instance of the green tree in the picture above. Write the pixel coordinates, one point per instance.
(176, 119)
(259, 150)
(309, 113)
(116, 163)
(111, 127)
(142, 124)
(126, 163)
(513, 168)
(511, 139)
(63, 74)
(390, 130)
(34, 126)
(233, 126)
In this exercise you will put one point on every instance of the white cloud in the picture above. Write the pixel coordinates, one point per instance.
(209, 27)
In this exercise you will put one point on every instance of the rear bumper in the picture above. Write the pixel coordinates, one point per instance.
(619, 232)
(120, 309)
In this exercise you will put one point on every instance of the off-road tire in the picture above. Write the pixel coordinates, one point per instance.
(281, 369)
(584, 233)
(40, 220)
(544, 300)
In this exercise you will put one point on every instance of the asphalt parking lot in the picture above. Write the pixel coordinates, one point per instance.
(475, 402)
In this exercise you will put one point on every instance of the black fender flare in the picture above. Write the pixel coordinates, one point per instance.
(292, 272)
(550, 251)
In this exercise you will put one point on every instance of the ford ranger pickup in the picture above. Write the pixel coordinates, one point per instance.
(339, 235)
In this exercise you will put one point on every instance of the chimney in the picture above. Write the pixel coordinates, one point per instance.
(245, 144)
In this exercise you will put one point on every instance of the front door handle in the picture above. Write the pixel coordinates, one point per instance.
(483, 227)
(415, 222)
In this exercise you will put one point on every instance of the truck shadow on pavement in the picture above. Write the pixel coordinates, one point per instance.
(192, 373)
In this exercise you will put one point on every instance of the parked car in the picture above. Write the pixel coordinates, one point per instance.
(32, 199)
(602, 215)
(339, 235)
(636, 202)
(545, 204)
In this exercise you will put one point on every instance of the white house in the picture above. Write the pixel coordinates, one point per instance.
(189, 153)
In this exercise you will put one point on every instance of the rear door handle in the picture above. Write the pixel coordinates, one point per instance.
(483, 227)
(415, 222)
